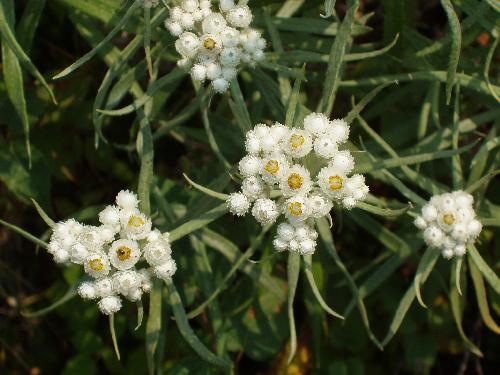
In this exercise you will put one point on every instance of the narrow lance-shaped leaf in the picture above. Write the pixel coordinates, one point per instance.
(113, 335)
(205, 190)
(483, 267)
(456, 44)
(425, 266)
(72, 291)
(186, 330)
(82, 60)
(8, 37)
(25, 234)
(293, 270)
(314, 287)
(356, 110)
(43, 214)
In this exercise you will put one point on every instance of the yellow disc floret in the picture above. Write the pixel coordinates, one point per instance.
(295, 181)
(123, 253)
(295, 208)
(272, 167)
(96, 264)
(335, 183)
(296, 141)
(135, 221)
(448, 219)
(209, 44)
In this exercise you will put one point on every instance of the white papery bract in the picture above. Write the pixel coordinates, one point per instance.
(300, 173)
(215, 44)
(119, 257)
(449, 223)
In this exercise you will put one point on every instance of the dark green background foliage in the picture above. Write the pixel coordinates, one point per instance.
(248, 322)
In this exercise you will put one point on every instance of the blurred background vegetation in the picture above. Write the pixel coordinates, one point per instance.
(68, 174)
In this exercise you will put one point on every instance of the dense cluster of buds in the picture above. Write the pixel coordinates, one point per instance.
(449, 223)
(279, 178)
(215, 45)
(112, 252)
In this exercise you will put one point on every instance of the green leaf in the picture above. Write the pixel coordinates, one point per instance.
(140, 314)
(483, 267)
(82, 60)
(43, 214)
(293, 270)
(481, 297)
(13, 77)
(207, 191)
(113, 335)
(153, 324)
(457, 304)
(456, 43)
(387, 212)
(425, 267)
(356, 110)
(293, 103)
(147, 39)
(314, 288)
(340, 47)
(72, 291)
(482, 181)
(329, 8)
(197, 223)
(8, 37)
(28, 23)
(239, 109)
(487, 64)
(187, 332)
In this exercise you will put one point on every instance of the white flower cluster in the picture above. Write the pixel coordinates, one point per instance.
(111, 252)
(215, 45)
(276, 166)
(449, 223)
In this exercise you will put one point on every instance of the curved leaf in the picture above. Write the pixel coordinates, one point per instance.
(425, 267)
(293, 270)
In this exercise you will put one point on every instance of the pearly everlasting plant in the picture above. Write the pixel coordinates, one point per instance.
(214, 45)
(449, 223)
(300, 174)
(120, 256)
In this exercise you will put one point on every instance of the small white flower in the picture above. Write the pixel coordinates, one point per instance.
(474, 227)
(104, 287)
(136, 225)
(297, 143)
(279, 244)
(343, 162)
(110, 216)
(214, 24)
(125, 281)
(61, 256)
(447, 253)
(331, 182)
(229, 73)
(110, 305)
(285, 232)
(220, 85)
(278, 132)
(258, 55)
(199, 72)
(108, 233)
(187, 21)
(145, 278)
(205, 4)
(238, 204)
(189, 5)
(307, 247)
(239, 16)
(166, 270)
(230, 37)
(296, 209)
(252, 143)
(173, 27)
(273, 167)
(420, 223)
(254, 187)
(187, 45)
(265, 211)
(429, 212)
(316, 123)
(185, 64)
(176, 13)
(325, 147)
(463, 199)
(157, 252)
(226, 5)
(134, 295)
(97, 265)
(296, 181)
(460, 250)
(78, 253)
(210, 44)
(124, 254)
(250, 165)
(433, 236)
(230, 56)
(320, 205)
(294, 246)
(214, 71)
(127, 200)
(338, 130)
(87, 290)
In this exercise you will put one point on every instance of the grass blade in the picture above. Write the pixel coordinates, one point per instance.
(240, 110)
(43, 214)
(140, 314)
(207, 191)
(72, 291)
(25, 234)
(153, 324)
(293, 270)
(356, 110)
(425, 267)
(314, 287)
(456, 44)
(487, 64)
(386, 212)
(186, 330)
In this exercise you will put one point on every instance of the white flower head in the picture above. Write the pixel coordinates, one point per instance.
(199, 72)
(285, 232)
(297, 209)
(338, 130)
(325, 147)
(214, 23)
(265, 211)
(238, 204)
(250, 165)
(342, 161)
(320, 205)
(239, 16)
(332, 182)
(254, 187)
(166, 270)
(220, 85)
(110, 305)
(230, 56)
(86, 290)
(125, 281)
(126, 200)
(104, 287)
(187, 44)
(297, 143)
(124, 254)
(295, 181)
(273, 167)
(226, 5)
(316, 123)
(97, 265)
(230, 37)
(157, 252)
(210, 44)
(135, 225)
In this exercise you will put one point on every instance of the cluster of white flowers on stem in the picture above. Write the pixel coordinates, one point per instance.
(449, 223)
(215, 45)
(279, 177)
(111, 253)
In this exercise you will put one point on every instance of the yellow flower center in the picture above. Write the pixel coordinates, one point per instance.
(123, 253)
(295, 181)
(272, 167)
(296, 140)
(135, 221)
(209, 44)
(96, 264)
(448, 219)
(335, 182)
(295, 208)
